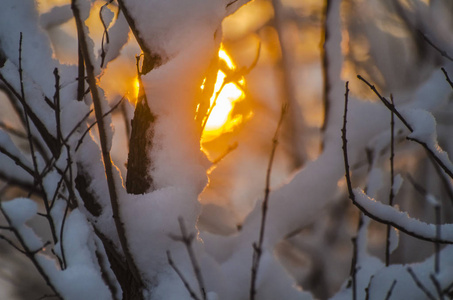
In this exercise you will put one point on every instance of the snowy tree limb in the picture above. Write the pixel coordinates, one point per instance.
(105, 151)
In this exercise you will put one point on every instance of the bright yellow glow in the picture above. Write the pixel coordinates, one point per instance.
(136, 88)
(221, 120)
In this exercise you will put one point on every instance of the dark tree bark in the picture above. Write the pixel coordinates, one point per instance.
(138, 180)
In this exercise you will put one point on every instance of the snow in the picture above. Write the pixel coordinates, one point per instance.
(56, 16)
(400, 220)
(20, 210)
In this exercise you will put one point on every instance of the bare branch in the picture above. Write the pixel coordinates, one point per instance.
(258, 247)
(437, 286)
(419, 284)
(392, 107)
(392, 180)
(389, 293)
(441, 52)
(193, 295)
(187, 240)
(447, 77)
(30, 254)
(94, 123)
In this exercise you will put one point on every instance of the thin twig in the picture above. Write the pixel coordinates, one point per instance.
(193, 295)
(419, 284)
(105, 34)
(29, 254)
(437, 286)
(11, 243)
(17, 161)
(392, 180)
(187, 240)
(441, 52)
(345, 142)
(96, 122)
(403, 120)
(258, 247)
(57, 104)
(37, 177)
(389, 293)
(367, 289)
(447, 77)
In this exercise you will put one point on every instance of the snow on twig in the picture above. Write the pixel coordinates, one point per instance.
(103, 141)
(443, 162)
(384, 213)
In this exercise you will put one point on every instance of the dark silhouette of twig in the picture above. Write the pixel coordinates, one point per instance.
(419, 284)
(436, 284)
(367, 289)
(57, 104)
(389, 293)
(352, 195)
(108, 167)
(66, 139)
(354, 268)
(441, 52)
(258, 247)
(96, 122)
(325, 65)
(187, 240)
(403, 120)
(17, 161)
(11, 243)
(392, 180)
(193, 295)
(37, 177)
(447, 77)
(23, 108)
(105, 34)
(345, 141)
(29, 253)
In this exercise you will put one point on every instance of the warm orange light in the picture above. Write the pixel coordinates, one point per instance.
(221, 119)
(136, 88)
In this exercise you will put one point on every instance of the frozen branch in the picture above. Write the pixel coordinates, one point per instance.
(105, 150)
(392, 107)
(384, 213)
(151, 60)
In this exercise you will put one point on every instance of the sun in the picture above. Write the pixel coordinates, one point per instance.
(228, 94)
